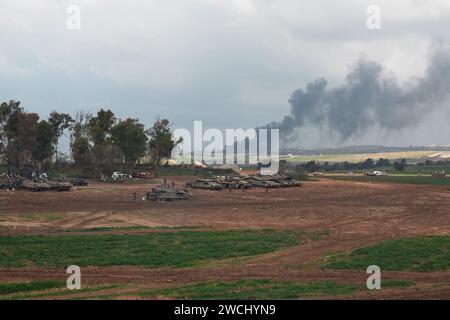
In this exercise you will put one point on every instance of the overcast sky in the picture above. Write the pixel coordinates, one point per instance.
(230, 63)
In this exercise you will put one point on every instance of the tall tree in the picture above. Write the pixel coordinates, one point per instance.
(161, 141)
(59, 122)
(105, 155)
(129, 136)
(367, 164)
(106, 158)
(8, 129)
(400, 166)
(80, 146)
(100, 126)
(382, 163)
(81, 152)
(80, 126)
(25, 138)
(44, 147)
(18, 130)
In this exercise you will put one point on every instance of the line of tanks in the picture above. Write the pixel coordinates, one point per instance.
(244, 182)
(20, 183)
(164, 193)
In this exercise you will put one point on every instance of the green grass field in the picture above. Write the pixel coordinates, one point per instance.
(409, 170)
(406, 179)
(253, 289)
(164, 249)
(48, 217)
(16, 287)
(59, 289)
(260, 289)
(425, 170)
(132, 228)
(420, 254)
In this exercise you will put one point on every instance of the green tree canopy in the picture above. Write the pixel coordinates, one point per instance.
(100, 126)
(59, 122)
(129, 136)
(43, 147)
(400, 166)
(161, 141)
(81, 151)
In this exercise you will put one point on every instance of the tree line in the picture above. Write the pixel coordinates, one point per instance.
(368, 164)
(98, 142)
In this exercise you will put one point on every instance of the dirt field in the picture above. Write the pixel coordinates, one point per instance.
(353, 214)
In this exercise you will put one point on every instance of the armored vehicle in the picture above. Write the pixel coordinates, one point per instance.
(167, 194)
(270, 184)
(31, 185)
(293, 182)
(59, 185)
(204, 184)
(6, 184)
(234, 183)
(78, 182)
(284, 181)
(264, 183)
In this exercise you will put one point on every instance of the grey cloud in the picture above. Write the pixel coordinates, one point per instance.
(207, 60)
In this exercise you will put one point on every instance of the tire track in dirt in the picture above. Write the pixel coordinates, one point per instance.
(84, 220)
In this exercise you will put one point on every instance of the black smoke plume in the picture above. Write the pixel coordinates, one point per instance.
(368, 98)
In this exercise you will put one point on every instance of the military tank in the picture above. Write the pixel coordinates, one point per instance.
(167, 194)
(6, 183)
(5, 186)
(35, 186)
(285, 181)
(273, 181)
(233, 183)
(78, 182)
(293, 182)
(204, 184)
(59, 185)
(268, 184)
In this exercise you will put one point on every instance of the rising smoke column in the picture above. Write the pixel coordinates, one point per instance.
(369, 98)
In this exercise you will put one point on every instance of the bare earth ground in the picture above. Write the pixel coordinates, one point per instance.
(355, 214)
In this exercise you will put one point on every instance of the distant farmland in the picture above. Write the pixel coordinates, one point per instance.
(406, 179)
(410, 156)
